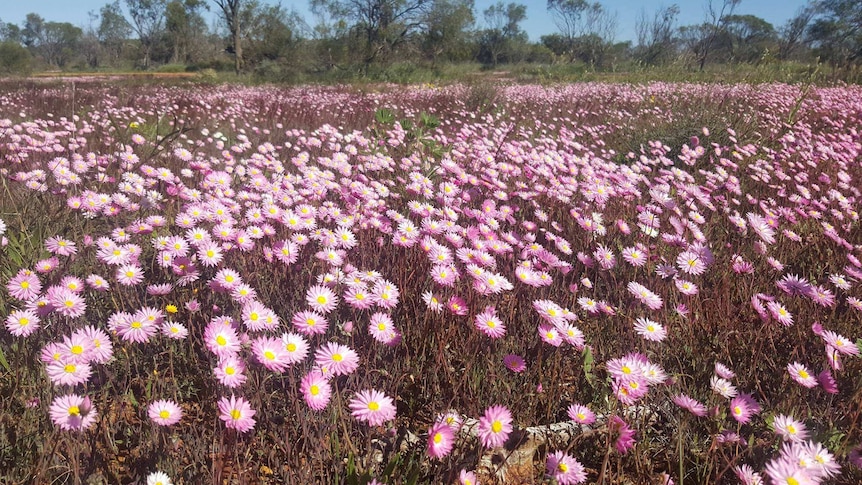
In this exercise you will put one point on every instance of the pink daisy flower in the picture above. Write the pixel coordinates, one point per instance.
(801, 375)
(270, 352)
(164, 413)
(382, 329)
(22, 323)
(564, 469)
(691, 263)
(230, 372)
(691, 405)
(321, 299)
(789, 429)
(441, 439)
(490, 324)
(780, 313)
(647, 297)
(457, 306)
(236, 413)
(315, 390)
(372, 407)
(550, 335)
(827, 382)
(514, 363)
(310, 322)
(64, 373)
(336, 358)
(686, 287)
(24, 286)
(747, 475)
(221, 339)
(295, 346)
(581, 414)
(840, 343)
(634, 256)
(174, 330)
(67, 303)
(72, 412)
(723, 371)
(129, 275)
(467, 478)
(60, 246)
(743, 407)
(625, 436)
(495, 426)
(650, 330)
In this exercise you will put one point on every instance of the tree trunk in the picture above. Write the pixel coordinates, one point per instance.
(237, 47)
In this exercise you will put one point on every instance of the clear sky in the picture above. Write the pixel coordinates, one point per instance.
(538, 21)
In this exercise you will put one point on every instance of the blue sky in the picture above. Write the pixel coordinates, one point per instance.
(538, 21)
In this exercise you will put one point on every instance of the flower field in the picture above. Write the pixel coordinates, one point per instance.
(590, 283)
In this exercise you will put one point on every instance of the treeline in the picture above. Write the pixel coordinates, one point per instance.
(358, 36)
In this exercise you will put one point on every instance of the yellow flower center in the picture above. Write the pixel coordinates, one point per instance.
(164, 414)
(25, 284)
(135, 324)
(77, 349)
(221, 340)
(381, 326)
(803, 374)
(497, 426)
(291, 347)
(74, 411)
(314, 390)
(69, 368)
(337, 358)
(438, 437)
(229, 371)
(321, 300)
(23, 322)
(235, 414)
(270, 355)
(737, 410)
(374, 406)
(562, 467)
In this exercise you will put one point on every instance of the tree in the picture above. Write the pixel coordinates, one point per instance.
(504, 34)
(700, 39)
(383, 25)
(232, 14)
(567, 17)
(184, 27)
(587, 28)
(55, 42)
(10, 32)
(14, 59)
(792, 34)
(148, 20)
(656, 36)
(837, 32)
(271, 36)
(447, 29)
(113, 30)
(34, 24)
(746, 37)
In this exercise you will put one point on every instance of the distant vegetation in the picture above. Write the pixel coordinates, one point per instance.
(424, 40)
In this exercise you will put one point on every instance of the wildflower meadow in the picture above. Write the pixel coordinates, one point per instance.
(590, 283)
